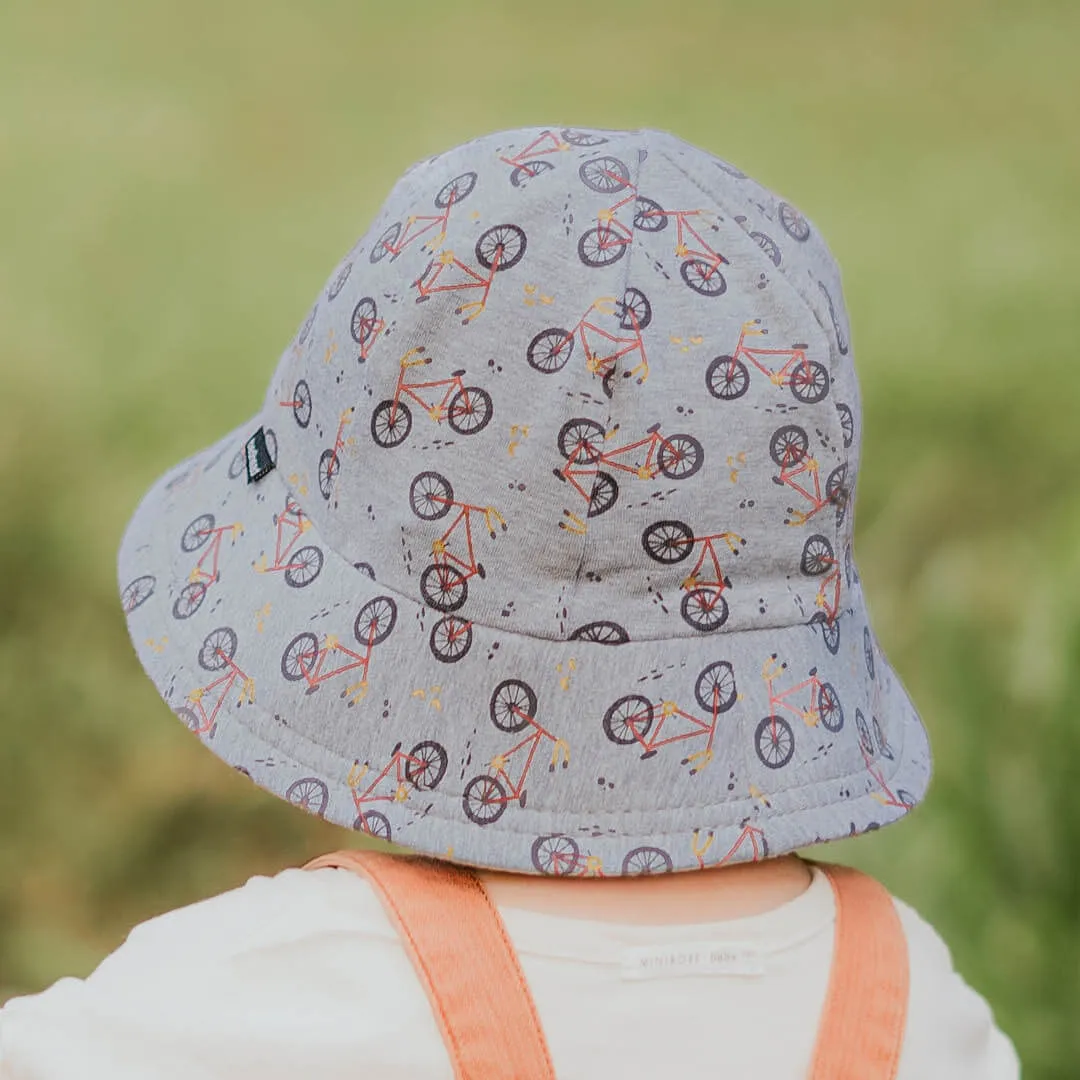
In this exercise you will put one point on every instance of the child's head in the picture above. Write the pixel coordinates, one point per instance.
(538, 554)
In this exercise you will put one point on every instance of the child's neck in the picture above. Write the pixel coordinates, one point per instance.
(718, 893)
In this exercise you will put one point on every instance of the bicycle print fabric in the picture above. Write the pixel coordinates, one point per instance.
(552, 570)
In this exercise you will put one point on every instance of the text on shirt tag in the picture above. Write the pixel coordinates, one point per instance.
(669, 961)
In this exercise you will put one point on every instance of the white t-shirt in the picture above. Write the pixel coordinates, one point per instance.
(302, 974)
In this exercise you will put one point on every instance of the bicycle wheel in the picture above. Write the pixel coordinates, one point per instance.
(703, 277)
(603, 496)
(715, 687)
(768, 245)
(794, 224)
(365, 568)
(604, 175)
(372, 823)
(301, 404)
(649, 216)
(506, 243)
(704, 609)
(556, 855)
(512, 706)
(817, 555)
(390, 424)
(865, 740)
(809, 382)
(454, 191)
(830, 630)
(386, 243)
(680, 456)
(137, 592)
(450, 639)
(375, 621)
(841, 337)
(304, 567)
(847, 424)
(309, 322)
(443, 587)
(426, 765)
(365, 318)
(774, 741)
(197, 533)
(727, 378)
(580, 438)
(668, 541)
(582, 138)
(836, 487)
(310, 794)
(300, 657)
(549, 351)
(218, 648)
(788, 445)
(628, 720)
(602, 246)
(868, 650)
(528, 171)
(603, 631)
(339, 282)
(190, 600)
(430, 495)
(329, 467)
(647, 860)
(882, 743)
(483, 800)
(190, 718)
(905, 797)
(829, 708)
(633, 311)
(469, 411)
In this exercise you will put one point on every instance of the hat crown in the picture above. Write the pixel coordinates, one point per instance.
(581, 384)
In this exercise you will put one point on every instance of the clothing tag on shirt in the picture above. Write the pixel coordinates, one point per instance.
(695, 958)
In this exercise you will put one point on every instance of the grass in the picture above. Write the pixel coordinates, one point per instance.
(178, 179)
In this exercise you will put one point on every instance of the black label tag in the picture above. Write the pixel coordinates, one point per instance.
(257, 456)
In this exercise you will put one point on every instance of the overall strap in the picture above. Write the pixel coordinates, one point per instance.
(862, 1025)
(467, 964)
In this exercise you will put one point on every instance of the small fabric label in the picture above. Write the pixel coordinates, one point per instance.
(257, 456)
(703, 958)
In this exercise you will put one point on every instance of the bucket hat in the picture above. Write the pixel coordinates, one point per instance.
(538, 554)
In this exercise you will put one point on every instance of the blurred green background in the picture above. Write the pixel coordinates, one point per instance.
(178, 179)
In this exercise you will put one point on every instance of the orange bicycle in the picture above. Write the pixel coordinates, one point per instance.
(703, 604)
(630, 719)
(560, 856)
(199, 533)
(789, 448)
(305, 659)
(530, 162)
(216, 654)
(750, 834)
(467, 409)
(444, 584)
(513, 709)
(397, 237)
(302, 567)
(602, 344)
(499, 248)
(700, 268)
(421, 769)
(887, 797)
(580, 441)
(330, 461)
(774, 738)
(365, 325)
(728, 377)
(819, 559)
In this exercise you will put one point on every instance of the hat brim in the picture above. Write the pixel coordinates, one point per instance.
(497, 749)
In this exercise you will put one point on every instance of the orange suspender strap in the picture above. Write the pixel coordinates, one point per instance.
(470, 971)
(863, 1021)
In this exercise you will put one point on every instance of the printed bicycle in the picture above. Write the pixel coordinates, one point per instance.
(450, 638)
(789, 448)
(302, 566)
(728, 377)
(513, 709)
(750, 834)
(700, 268)
(421, 769)
(550, 350)
(530, 162)
(818, 558)
(202, 532)
(560, 856)
(774, 739)
(467, 409)
(631, 718)
(216, 654)
(137, 592)
(397, 237)
(300, 403)
(444, 584)
(330, 461)
(365, 325)
(887, 797)
(703, 606)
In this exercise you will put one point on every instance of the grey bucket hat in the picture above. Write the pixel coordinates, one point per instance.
(537, 556)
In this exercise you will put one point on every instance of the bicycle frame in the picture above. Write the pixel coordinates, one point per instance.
(199, 574)
(719, 583)
(316, 675)
(499, 764)
(522, 158)
(426, 284)
(447, 558)
(603, 365)
(437, 412)
(224, 682)
(401, 790)
(811, 716)
(417, 225)
(585, 461)
(780, 377)
(789, 476)
(296, 520)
